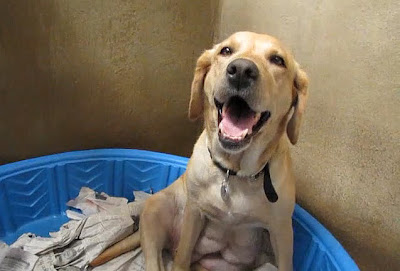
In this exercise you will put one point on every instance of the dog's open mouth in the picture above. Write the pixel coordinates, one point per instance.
(237, 121)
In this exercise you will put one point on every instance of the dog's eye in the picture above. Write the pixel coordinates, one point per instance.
(277, 60)
(226, 51)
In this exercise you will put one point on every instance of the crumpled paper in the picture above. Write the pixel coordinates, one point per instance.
(103, 221)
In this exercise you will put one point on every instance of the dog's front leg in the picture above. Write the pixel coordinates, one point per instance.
(155, 223)
(281, 235)
(192, 225)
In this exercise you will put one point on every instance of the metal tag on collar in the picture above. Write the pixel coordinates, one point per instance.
(225, 186)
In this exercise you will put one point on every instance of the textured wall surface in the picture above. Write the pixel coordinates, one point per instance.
(348, 157)
(83, 74)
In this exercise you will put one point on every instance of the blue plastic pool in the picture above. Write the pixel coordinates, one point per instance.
(33, 194)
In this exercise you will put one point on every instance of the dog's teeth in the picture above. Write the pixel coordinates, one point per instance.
(244, 133)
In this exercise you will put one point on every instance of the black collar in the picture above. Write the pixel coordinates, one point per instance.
(269, 190)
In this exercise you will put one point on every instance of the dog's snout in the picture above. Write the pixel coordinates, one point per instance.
(242, 73)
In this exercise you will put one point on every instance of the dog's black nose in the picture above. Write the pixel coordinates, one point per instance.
(242, 73)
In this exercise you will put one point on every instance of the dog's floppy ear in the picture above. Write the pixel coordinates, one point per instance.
(300, 88)
(196, 104)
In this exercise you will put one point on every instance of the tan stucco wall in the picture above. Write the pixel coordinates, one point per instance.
(88, 74)
(348, 157)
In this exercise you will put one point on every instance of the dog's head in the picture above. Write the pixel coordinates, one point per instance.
(246, 87)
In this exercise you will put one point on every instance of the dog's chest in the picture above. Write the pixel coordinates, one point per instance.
(244, 202)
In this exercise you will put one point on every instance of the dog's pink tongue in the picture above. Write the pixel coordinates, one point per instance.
(236, 127)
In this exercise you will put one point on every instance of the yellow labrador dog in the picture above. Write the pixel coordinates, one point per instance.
(239, 181)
